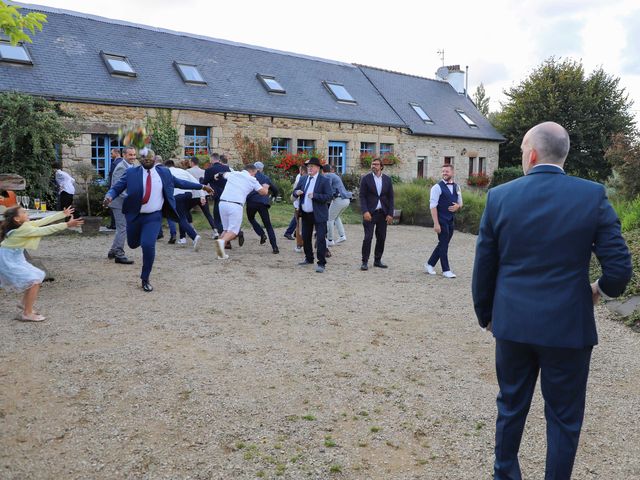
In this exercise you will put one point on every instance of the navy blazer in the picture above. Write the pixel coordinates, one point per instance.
(219, 184)
(369, 194)
(132, 182)
(254, 199)
(322, 196)
(531, 270)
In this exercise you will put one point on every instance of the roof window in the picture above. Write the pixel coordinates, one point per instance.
(421, 113)
(189, 73)
(14, 53)
(467, 119)
(270, 83)
(118, 65)
(339, 92)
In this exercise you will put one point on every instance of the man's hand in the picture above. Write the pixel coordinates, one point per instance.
(437, 229)
(203, 200)
(454, 208)
(366, 216)
(107, 201)
(310, 194)
(207, 189)
(298, 193)
(389, 219)
(595, 293)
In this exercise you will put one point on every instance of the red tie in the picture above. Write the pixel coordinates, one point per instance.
(147, 190)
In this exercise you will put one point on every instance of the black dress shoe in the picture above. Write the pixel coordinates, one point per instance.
(160, 235)
(172, 240)
(111, 255)
(288, 236)
(275, 250)
(227, 246)
(263, 239)
(124, 260)
(305, 262)
(364, 266)
(241, 238)
(146, 286)
(380, 265)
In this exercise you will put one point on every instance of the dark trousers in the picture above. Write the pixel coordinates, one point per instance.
(308, 224)
(205, 210)
(441, 252)
(66, 200)
(378, 224)
(217, 221)
(563, 379)
(292, 225)
(263, 211)
(183, 205)
(142, 231)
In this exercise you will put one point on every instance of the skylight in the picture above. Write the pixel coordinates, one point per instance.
(467, 119)
(271, 84)
(421, 113)
(14, 53)
(118, 64)
(189, 73)
(339, 92)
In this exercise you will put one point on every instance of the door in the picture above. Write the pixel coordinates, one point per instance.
(421, 162)
(338, 156)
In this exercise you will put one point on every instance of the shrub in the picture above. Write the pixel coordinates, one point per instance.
(478, 180)
(469, 216)
(284, 186)
(504, 175)
(351, 181)
(164, 134)
(425, 182)
(413, 200)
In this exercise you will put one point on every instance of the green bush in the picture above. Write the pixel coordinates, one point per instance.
(96, 196)
(284, 185)
(629, 213)
(413, 200)
(425, 182)
(469, 216)
(504, 175)
(351, 181)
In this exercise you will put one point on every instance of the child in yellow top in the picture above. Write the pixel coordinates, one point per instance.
(16, 234)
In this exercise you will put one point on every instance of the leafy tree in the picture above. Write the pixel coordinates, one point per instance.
(13, 24)
(250, 150)
(592, 108)
(164, 134)
(481, 100)
(624, 155)
(30, 130)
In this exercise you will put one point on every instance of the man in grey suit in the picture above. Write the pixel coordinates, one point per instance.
(116, 251)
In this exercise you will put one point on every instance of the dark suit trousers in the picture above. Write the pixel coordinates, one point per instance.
(308, 224)
(441, 252)
(183, 205)
(195, 202)
(142, 231)
(263, 211)
(563, 379)
(379, 224)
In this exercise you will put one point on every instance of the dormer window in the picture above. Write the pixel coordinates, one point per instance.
(270, 83)
(467, 119)
(189, 73)
(14, 53)
(421, 113)
(340, 93)
(118, 65)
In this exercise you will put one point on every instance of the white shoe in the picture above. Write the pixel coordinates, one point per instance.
(297, 249)
(215, 234)
(219, 246)
(330, 243)
(429, 269)
(224, 257)
(196, 243)
(341, 239)
(182, 241)
(448, 274)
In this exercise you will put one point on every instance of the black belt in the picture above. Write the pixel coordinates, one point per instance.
(237, 203)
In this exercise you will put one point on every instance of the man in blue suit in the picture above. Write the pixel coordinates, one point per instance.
(149, 196)
(531, 288)
(315, 194)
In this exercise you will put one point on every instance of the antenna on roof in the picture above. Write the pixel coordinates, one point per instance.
(441, 53)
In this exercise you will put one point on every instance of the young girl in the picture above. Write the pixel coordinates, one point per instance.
(16, 234)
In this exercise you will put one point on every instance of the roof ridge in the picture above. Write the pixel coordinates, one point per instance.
(98, 18)
(359, 65)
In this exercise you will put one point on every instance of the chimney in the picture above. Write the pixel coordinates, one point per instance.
(454, 75)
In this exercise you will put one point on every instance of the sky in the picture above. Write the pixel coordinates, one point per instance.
(501, 41)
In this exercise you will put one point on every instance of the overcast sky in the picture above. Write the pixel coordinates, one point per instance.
(501, 41)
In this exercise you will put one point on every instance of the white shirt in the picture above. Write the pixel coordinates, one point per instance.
(156, 200)
(378, 181)
(296, 200)
(65, 182)
(239, 185)
(184, 175)
(307, 203)
(436, 191)
(197, 173)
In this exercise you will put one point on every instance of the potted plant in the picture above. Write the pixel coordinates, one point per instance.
(389, 159)
(365, 159)
(86, 176)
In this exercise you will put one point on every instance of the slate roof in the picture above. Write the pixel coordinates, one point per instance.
(67, 66)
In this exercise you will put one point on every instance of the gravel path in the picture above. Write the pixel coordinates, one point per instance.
(258, 368)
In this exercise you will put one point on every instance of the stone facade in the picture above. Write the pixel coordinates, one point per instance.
(106, 119)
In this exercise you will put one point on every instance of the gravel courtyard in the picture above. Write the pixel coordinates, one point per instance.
(255, 367)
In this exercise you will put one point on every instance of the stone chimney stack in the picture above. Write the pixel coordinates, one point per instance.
(454, 75)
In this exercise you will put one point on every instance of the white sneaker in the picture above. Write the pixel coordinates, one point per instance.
(297, 249)
(330, 243)
(215, 234)
(224, 257)
(449, 274)
(196, 243)
(429, 269)
(219, 246)
(341, 239)
(182, 241)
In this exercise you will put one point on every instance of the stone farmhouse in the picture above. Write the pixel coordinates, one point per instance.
(114, 74)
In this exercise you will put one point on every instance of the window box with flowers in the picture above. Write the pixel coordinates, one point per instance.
(288, 162)
(366, 158)
(389, 159)
(480, 180)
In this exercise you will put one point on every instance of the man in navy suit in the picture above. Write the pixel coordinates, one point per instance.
(217, 183)
(149, 195)
(376, 203)
(315, 194)
(531, 288)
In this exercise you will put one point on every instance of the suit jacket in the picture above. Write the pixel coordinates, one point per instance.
(117, 173)
(531, 270)
(132, 182)
(217, 185)
(369, 194)
(322, 196)
(254, 199)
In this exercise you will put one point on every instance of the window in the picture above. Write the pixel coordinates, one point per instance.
(386, 149)
(271, 84)
(471, 159)
(196, 140)
(118, 65)
(467, 119)
(421, 113)
(448, 160)
(189, 73)
(279, 145)
(482, 165)
(101, 146)
(368, 147)
(339, 92)
(421, 163)
(14, 53)
(306, 145)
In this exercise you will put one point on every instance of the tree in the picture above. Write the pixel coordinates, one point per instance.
(624, 156)
(481, 100)
(164, 134)
(592, 108)
(31, 129)
(13, 24)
